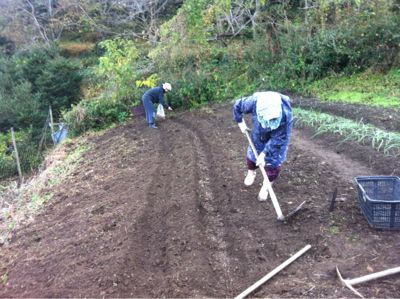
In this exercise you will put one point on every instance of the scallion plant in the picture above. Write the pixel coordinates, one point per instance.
(384, 141)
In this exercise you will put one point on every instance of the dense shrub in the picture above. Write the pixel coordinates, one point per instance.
(30, 82)
(353, 48)
(116, 69)
(207, 75)
(59, 84)
(29, 155)
(94, 114)
(111, 88)
(354, 43)
(7, 165)
(19, 106)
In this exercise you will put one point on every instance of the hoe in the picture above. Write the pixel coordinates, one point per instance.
(350, 282)
(267, 184)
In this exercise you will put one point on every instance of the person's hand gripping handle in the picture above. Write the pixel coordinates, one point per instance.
(243, 127)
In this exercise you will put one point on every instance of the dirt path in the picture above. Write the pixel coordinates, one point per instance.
(164, 213)
(348, 168)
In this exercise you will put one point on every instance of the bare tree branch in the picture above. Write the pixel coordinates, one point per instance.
(33, 16)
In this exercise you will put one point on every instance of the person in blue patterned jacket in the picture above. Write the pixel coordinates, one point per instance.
(154, 96)
(272, 120)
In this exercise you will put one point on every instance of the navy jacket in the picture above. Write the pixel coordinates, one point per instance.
(155, 95)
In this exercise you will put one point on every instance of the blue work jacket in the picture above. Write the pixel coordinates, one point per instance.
(274, 143)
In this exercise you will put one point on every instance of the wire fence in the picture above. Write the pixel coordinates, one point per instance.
(22, 152)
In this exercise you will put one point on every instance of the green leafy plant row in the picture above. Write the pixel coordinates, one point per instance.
(386, 142)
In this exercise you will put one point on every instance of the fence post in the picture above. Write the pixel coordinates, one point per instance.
(51, 125)
(20, 178)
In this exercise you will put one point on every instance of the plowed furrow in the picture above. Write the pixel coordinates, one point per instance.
(166, 260)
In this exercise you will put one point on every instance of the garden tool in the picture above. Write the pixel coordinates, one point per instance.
(273, 273)
(350, 282)
(267, 187)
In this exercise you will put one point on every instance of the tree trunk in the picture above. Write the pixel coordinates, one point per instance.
(255, 18)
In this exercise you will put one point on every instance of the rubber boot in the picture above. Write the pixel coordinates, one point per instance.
(250, 177)
(263, 194)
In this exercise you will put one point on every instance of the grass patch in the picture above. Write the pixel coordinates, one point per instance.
(38, 200)
(21, 205)
(333, 230)
(4, 278)
(367, 88)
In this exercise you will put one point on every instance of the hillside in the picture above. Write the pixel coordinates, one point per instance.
(164, 213)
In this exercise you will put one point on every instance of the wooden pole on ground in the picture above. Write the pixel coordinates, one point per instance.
(52, 125)
(272, 273)
(20, 178)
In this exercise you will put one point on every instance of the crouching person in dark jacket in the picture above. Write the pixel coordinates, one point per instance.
(155, 96)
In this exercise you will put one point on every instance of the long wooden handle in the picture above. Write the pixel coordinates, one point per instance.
(272, 273)
(373, 276)
(266, 181)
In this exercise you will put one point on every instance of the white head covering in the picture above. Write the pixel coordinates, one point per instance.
(167, 86)
(269, 104)
(268, 107)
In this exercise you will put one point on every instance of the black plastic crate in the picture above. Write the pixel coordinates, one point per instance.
(379, 198)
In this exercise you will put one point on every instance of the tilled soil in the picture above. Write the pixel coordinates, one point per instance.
(164, 213)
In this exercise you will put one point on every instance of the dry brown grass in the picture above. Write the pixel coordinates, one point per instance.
(19, 206)
(74, 49)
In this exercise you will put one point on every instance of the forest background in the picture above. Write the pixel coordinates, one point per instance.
(91, 60)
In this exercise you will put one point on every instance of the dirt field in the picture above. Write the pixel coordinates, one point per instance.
(164, 213)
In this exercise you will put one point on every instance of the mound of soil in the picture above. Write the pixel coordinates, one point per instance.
(164, 213)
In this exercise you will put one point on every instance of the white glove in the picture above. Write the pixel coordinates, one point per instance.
(170, 108)
(261, 160)
(243, 127)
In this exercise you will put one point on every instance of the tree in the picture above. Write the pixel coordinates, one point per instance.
(117, 69)
(47, 21)
(30, 21)
(139, 19)
(233, 17)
